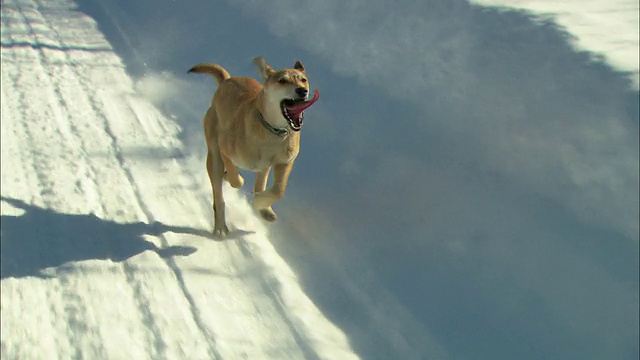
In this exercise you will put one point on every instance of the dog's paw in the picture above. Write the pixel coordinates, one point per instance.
(268, 214)
(235, 181)
(220, 232)
(263, 200)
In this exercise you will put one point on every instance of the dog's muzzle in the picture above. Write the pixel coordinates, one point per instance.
(292, 110)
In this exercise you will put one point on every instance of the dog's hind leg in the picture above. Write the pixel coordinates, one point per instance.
(263, 200)
(259, 187)
(231, 173)
(215, 169)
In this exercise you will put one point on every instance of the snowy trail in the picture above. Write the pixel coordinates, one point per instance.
(105, 247)
(514, 234)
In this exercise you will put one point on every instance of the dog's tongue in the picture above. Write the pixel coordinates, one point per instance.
(296, 109)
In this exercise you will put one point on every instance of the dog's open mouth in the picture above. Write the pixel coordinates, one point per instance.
(292, 110)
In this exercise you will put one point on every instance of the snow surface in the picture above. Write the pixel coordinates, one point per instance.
(610, 29)
(467, 186)
(106, 251)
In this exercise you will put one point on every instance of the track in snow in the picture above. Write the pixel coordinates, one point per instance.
(105, 246)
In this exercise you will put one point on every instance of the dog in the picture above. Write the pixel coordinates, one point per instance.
(254, 127)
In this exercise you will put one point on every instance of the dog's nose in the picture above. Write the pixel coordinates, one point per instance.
(302, 92)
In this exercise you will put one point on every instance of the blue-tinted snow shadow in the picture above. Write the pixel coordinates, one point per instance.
(492, 268)
(42, 238)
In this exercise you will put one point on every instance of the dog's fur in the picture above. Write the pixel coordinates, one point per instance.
(237, 137)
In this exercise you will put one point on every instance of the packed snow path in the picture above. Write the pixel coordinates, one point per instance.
(515, 238)
(106, 251)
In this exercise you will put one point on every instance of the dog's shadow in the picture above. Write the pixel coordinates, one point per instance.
(42, 238)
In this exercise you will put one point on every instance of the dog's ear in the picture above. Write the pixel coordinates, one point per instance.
(263, 68)
(299, 66)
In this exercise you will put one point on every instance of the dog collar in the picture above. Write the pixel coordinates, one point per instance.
(270, 128)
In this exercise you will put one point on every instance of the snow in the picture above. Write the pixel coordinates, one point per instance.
(467, 185)
(608, 28)
(106, 252)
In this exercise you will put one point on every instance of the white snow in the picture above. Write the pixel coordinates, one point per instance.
(479, 203)
(608, 28)
(94, 193)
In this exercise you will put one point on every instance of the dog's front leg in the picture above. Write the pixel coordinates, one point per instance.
(215, 169)
(263, 200)
(231, 173)
(259, 187)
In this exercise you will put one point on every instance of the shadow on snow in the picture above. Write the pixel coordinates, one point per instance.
(42, 238)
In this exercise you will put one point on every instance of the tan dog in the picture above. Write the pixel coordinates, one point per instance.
(255, 128)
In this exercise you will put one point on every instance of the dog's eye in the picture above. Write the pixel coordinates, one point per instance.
(282, 81)
(304, 80)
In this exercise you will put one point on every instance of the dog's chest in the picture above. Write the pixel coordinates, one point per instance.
(266, 156)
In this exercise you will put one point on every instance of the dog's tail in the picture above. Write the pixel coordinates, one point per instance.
(214, 70)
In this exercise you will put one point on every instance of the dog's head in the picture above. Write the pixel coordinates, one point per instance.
(288, 89)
